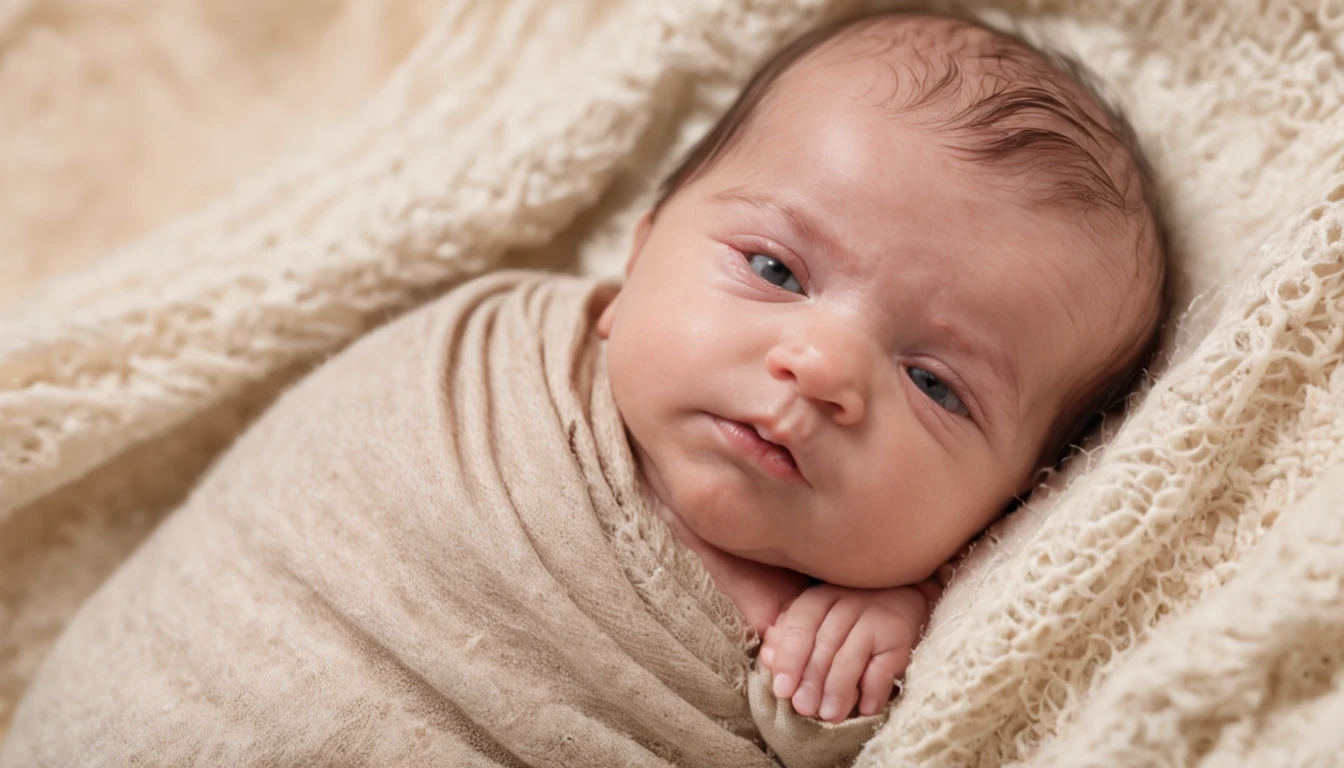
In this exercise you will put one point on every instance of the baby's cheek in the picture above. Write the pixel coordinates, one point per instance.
(638, 363)
(910, 516)
(623, 389)
(720, 505)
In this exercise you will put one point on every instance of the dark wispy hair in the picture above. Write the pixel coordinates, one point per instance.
(1021, 118)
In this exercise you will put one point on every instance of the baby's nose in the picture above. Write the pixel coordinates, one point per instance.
(829, 365)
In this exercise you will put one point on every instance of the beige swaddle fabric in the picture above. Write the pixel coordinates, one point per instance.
(1092, 615)
(432, 551)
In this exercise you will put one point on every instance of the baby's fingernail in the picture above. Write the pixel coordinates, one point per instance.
(830, 708)
(805, 700)
(783, 686)
(868, 706)
(767, 655)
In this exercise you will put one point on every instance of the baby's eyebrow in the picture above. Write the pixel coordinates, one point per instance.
(806, 226)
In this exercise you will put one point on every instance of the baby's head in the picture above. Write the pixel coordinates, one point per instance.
(881, 295)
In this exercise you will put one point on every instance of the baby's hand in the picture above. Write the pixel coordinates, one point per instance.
(832, 644)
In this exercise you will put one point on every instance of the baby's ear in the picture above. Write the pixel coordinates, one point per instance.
(642, 228)
(608, 316)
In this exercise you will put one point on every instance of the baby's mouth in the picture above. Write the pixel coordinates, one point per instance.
(773, 458)
(786, 453)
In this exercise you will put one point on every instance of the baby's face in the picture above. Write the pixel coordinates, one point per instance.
(839, 351)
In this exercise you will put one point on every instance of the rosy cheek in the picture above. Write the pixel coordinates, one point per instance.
(908, 463)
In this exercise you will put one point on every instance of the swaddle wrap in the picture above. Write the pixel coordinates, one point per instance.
(432, 551)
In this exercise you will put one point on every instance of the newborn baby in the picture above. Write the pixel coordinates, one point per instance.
(888, 288)
(879, 296)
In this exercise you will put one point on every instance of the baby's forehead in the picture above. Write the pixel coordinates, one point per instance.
(1016, 116)
(908, 62)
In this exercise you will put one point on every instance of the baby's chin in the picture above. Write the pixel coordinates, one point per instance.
(731, 510)
(716, 506)
(850, 568)
(764, 556)
(739, 535)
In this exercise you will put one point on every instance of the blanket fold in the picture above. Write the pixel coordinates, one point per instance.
(436, 549)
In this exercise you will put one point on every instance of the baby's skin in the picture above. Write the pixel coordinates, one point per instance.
(838, 354)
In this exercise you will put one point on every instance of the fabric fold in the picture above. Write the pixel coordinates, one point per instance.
(436, 549)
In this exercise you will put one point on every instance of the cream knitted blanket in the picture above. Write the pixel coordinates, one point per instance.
(1178, 599)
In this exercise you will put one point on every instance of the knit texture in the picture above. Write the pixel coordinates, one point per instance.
(1098, 619)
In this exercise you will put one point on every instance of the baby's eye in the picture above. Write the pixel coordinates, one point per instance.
(937, 391)
(773, 272)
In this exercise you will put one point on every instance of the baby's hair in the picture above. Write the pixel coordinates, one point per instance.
(1021, 109)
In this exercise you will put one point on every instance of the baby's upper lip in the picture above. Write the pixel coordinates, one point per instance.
(767, 432)
(770, 430)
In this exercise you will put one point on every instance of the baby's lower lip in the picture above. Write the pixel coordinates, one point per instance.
(773, 459)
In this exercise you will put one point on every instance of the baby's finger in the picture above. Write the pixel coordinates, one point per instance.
(835, 631)
(842, 683)
(767, 653)
(880, 678)
(791, 638)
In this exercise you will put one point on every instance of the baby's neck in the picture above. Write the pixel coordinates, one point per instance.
(759, 591)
